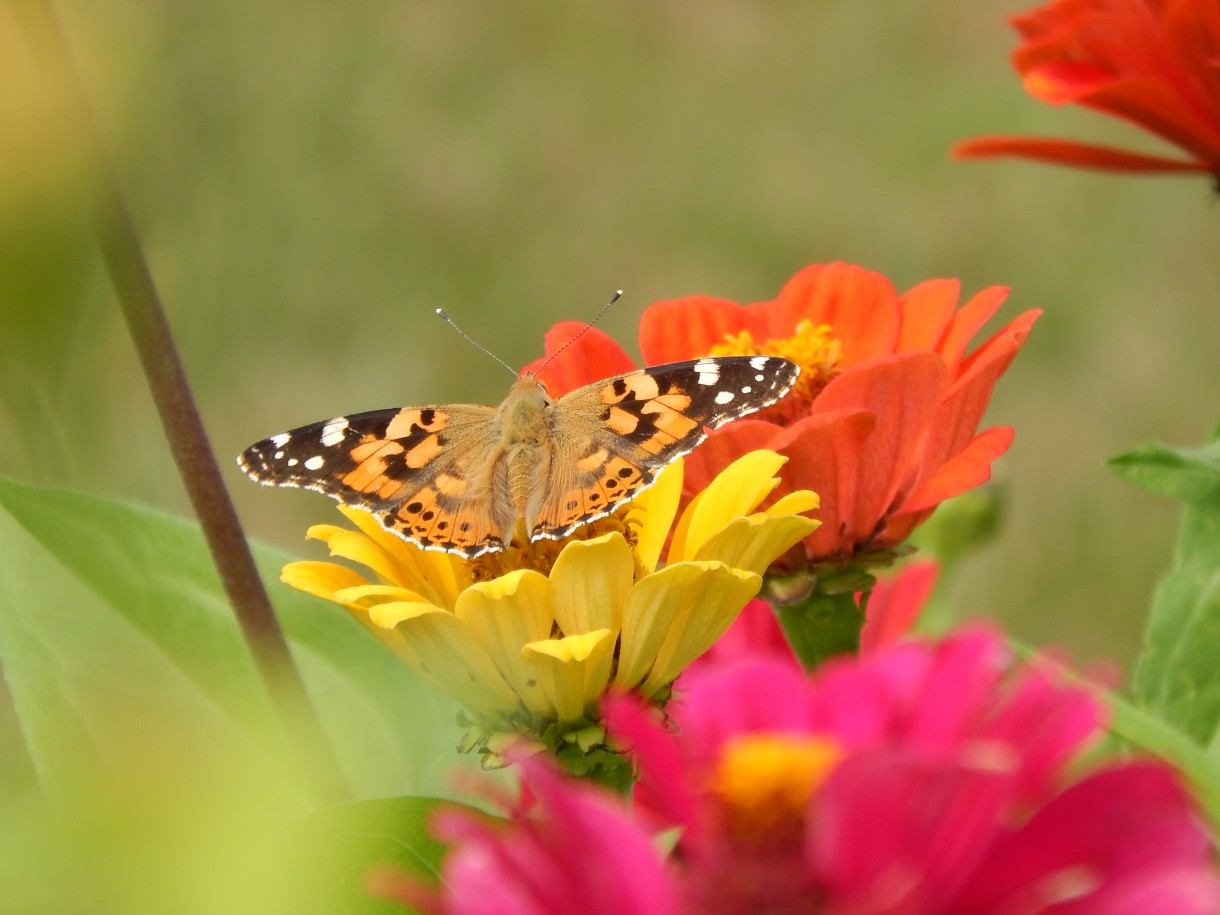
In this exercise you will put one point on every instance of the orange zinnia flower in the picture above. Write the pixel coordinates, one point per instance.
(1155, 63)
(882, 423)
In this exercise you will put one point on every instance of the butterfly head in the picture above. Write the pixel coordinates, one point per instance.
(526, 403)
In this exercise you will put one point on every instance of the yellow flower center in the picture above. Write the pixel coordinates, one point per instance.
(814, 349)
(765, 783)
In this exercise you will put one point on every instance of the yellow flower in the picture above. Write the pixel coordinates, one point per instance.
(530, 638)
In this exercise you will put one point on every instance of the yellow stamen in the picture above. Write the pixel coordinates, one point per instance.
(811, 347)
(765, 783)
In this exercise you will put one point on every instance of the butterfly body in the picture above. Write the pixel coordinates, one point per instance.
(462, 478)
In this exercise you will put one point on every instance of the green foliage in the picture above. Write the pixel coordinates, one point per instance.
(388, 835)
(147, 724)
(109, 606)
(1178, 675)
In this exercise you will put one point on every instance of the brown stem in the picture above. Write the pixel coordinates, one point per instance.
(141, 305)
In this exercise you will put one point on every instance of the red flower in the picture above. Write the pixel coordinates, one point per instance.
(1155, 63)
(882, 423)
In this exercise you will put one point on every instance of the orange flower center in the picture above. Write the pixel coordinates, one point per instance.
(765, 783)
(540, 554)
(811, 347)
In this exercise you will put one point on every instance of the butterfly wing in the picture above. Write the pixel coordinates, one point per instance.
(424, 472)
(613, 437)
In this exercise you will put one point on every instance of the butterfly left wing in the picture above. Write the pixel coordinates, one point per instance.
(420, 471)
(613, 437)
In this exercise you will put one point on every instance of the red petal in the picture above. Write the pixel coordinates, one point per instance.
(588, 355)
(903, 392)
(967, 469)
(1067, 152)
(860, 306)
(962, 407)
(967, 322)
(825, 454)
(895, 604)
(688, 328)
(926, 312)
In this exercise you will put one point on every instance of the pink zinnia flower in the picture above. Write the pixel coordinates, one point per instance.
(922, 779)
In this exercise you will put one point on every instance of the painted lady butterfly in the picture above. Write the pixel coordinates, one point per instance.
(460, 478)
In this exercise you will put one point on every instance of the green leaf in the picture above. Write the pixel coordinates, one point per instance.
(1148, 732)
(1153, 735)
(1178, 674)
(362, 838)
(113, 623)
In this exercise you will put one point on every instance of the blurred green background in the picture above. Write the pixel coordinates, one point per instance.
(312, 180)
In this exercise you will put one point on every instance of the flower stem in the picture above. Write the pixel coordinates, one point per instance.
(146, 321)
(827, 620)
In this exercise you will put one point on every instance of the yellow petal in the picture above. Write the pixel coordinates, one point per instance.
(795, 503)
(322, 579)
(354, 546)
(700, 619)
(370, 595)
(589, 583)
(438, 576)
(442, 649)
(652, 513)
(755, 542)
(573, 671)
(736, 492)
(324, 532)
(673, 616)
(505, 614)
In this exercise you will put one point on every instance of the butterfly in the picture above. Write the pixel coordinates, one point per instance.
(461, 478)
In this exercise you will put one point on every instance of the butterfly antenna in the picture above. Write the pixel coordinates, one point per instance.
(480, 347)
(597, 317)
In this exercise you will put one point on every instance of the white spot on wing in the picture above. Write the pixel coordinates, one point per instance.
(760, 377)
(759, 362)
(724, 397)
(332, 432)
(315, 462)
(279, 455)
(280, 440)
(746, 389)
(709, 371)
(292, 462)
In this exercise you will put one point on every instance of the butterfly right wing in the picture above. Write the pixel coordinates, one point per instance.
(424, 472)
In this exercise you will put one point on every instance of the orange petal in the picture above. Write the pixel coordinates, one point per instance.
(861, 307)
(962, 406)
(967, 322)
(903, 391)
(824, 452)
(1067, 152)
(969, 468)
(687, 328)
(926, 311)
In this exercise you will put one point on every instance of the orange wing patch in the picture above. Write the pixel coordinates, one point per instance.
(434, 518)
